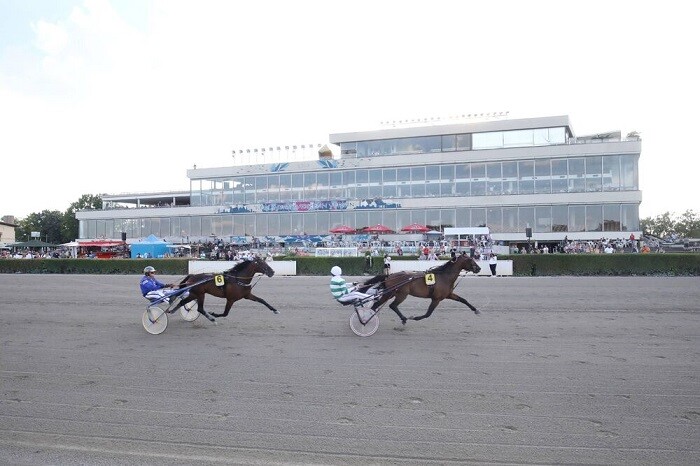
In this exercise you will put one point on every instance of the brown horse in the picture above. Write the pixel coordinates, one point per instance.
(401, 284)
(235, 285)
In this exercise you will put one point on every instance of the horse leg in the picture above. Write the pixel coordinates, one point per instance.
(252, 297)
(433, 304)
(458, 298)
(229, 303)
(400, 297)
(200, 308)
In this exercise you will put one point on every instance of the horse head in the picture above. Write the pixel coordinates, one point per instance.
(468, 264)
(260, 265)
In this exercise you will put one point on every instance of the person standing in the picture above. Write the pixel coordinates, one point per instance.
(387, 264)
(368, 262)
(493, 261)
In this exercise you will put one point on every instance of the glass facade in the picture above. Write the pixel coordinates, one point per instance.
(500, 219)
(312, 202)
(531, 176)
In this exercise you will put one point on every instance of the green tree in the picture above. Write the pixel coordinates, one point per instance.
(69, 228)
(48, 223)
(666, 224)
(688, 225)
(660, 226)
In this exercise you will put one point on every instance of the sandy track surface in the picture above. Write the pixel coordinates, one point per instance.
(557, 370)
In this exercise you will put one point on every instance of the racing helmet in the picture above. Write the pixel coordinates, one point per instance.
(148, 270)
(335, 271)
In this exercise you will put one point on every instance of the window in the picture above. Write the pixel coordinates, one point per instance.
(543, 177)
(611, 217)
(487, 140)
(432, 180)
(577, 218)
(629, 217)
(526, 218)
(560, 181)
(510, 220)
(462, 176)
(478, 184)
(447, 176)
(494, 218)
(577, 172)
(478, 217)
(464, 141)
(628, 173)
(448, 143)
(526, 172)
(494, 185)
(594, 170)
(510, 177)
(560, 218)
(418, 181)
(611, 173)
(543, 219)
(594, 218)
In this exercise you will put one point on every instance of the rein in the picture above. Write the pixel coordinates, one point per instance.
(237, 279)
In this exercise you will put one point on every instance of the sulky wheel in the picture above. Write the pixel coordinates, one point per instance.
(188, 312)
(368, 328)
(154, 320)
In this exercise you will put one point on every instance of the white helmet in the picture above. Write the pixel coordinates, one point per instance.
(148, 269)
(335, 271)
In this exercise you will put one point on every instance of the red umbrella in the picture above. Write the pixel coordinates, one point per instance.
(416, 227)
(343, 229)
(378, 229)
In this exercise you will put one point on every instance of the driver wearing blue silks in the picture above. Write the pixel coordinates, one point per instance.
(341, 290)
(154, 290)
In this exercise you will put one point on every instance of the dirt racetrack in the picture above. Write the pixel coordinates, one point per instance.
(557, 370)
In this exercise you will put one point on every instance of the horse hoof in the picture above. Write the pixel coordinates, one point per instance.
(275, 312)
(477, 312)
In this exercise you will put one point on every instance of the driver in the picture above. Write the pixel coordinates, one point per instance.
(341, 290)
(152, 289)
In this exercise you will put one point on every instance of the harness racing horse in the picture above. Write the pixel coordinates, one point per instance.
(400, 285)
(235, 285)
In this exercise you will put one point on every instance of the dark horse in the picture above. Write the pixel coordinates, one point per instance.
(401, 284)
(236, 285)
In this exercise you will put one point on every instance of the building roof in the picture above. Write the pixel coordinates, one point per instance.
(454, 128)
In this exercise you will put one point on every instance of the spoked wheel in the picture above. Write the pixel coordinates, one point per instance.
(154, 320)
(188, 311)
(369, 328)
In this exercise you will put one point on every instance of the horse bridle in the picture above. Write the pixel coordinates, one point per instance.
(245, 285)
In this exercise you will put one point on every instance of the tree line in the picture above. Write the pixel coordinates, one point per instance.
(54, 226)
(667, 225)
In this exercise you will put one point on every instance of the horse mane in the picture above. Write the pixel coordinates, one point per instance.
(442, 267)
(238, 267)
(375, 279)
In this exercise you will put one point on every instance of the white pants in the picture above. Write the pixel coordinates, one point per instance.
(352, 296)
(155, 295)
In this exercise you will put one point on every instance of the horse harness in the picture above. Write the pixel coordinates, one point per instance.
(220, 280)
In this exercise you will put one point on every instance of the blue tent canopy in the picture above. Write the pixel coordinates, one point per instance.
(149, 247)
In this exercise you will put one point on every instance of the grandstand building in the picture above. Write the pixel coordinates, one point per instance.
(505, 174)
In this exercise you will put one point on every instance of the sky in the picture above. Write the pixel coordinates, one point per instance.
(100, 96)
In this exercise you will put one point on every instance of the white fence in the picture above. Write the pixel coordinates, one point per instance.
(280, 267)
(290, 267)
(502, 267)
